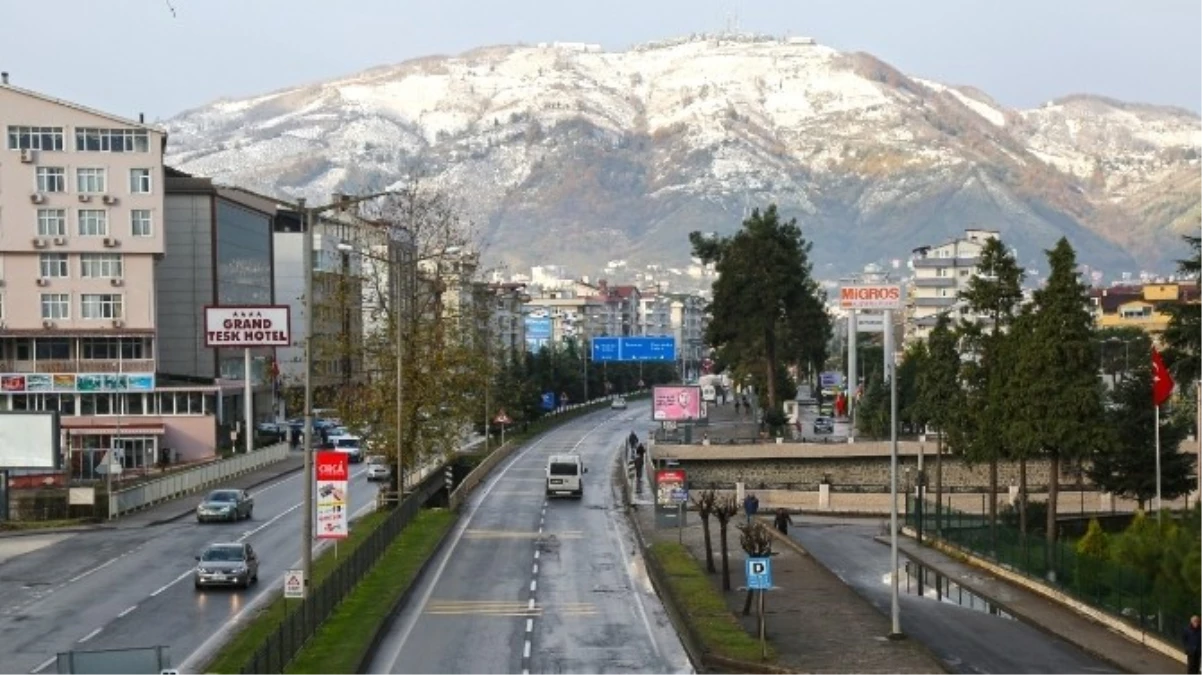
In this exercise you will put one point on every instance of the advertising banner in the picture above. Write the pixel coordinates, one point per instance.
(871, 296)
(84, 383)
(539, 331)
(676, 404)
(870, 323)
(333, 502)
(670, 487)
(248, 326)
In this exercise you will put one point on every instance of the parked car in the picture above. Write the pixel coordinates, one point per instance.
(227, 505)
(618, 403)
(824, 425)
(229, 564)
(378, 469)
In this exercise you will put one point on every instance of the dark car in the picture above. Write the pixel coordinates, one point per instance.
(231, 564)
(226, 505)
(824, 425)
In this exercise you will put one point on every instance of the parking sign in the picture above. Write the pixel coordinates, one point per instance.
(759, 574)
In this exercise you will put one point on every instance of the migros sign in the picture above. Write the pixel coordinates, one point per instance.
(871, 296)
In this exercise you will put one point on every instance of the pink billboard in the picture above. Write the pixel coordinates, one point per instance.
(675, 404)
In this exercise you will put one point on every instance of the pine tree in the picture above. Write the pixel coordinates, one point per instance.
(1183, 337)
(939, 395)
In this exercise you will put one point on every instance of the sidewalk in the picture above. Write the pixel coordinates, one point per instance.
(815, 622)
(1043, 613)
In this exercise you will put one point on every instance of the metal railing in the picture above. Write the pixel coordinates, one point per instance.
(184, 482)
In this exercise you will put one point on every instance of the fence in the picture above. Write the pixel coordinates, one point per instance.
(1105, 584)
(191, 480)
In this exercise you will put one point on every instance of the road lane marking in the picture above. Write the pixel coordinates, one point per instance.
(536, 554)
(531, 604)
(526, 650)
(269, 523)
(407, 628)
(535, 572)
(127, 611)
(45, 664)
(529, 625)
(91, 635)
(501, 534)
(533, 585)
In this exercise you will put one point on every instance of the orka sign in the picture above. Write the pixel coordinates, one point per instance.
(871, 296)
(247, 326)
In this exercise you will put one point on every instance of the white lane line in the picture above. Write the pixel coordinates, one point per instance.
(127, 611)
(533, 585)
(171, 583)
(536, 555)
(530, 605)
(529, 625)
(525, 672)
(535, 572)
(270, 522)
(45, 664)
(91, 635)
(526, 650)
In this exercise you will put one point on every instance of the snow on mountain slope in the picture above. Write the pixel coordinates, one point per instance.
(560, 148)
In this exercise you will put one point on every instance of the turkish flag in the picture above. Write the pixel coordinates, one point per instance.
(1162, 381)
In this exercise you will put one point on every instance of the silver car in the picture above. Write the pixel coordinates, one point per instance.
(231, 564)
(230, 505)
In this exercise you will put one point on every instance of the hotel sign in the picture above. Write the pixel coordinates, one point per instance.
(248, 326)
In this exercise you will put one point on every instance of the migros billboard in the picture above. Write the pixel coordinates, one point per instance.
(871, 296)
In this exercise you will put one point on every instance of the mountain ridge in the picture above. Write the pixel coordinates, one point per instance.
(573, 155)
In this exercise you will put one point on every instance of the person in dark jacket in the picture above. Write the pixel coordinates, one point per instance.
(782, 521)
(1192, 641)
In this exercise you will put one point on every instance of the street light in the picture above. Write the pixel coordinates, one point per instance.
(308, 218)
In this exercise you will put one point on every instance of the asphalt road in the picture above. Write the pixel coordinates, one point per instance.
(968, 640)
(527, 584)
(808, 414)
(132, 586)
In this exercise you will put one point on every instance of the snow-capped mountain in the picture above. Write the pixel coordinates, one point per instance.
(569, 154)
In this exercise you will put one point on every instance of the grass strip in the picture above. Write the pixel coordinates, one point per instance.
(343, 640)
(234, 656)
(703, 606)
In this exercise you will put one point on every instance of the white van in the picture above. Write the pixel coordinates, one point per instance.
(565, 475)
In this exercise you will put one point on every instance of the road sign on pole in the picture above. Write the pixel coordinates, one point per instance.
(294, 584)
(759, 574)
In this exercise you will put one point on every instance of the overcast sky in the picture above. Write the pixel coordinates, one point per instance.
(130, 56)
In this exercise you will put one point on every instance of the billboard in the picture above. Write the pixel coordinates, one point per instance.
(871, 296)
(243, 326)
(538, 332)
(333, 472)
(30, 440)
(670, 487)
(830, 379)
(676, 403)
(639, 348)
(870, 323)
(83, 383)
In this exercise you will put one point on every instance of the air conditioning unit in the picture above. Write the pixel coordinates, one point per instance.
(118, 323)
(109, 199)
(60, 241)
(110, 242)
(39, 243)
(117, 282)
(43, 281)
(47, 323)
(37, 198)
(85, 198)
(27, 156)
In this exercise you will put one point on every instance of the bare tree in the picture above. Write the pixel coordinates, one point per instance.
(705, 502)
(725, 508)
(756, 541)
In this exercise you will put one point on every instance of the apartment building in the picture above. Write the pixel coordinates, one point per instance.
(655, 313)
(940, 273)
(1139, 306)
(557, 317)
(81, 208)
(687, 317)
(505, 305)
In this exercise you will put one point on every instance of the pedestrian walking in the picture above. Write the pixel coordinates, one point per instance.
(751, 505)
(782, 521)
(1191, 639)
(632, 441)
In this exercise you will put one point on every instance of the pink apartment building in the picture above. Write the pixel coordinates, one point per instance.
(81, 203)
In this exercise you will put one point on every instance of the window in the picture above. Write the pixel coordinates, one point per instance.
(51, 179)
(139, 223)
(56, 306)
(52, 222)
(139, 181)
(93, 223)
(53, 265)
(100, 306)
(35, 138)
(112, 140)
(90, 181)
(100, 265)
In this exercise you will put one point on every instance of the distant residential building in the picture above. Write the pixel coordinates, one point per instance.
(1139, 306)
(81, 207)
(688, 320)
(505, 304)
(940, 273)
(655, 313)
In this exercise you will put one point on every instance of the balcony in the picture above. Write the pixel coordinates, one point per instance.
(934, 282)
(945, 262)
(79, 366)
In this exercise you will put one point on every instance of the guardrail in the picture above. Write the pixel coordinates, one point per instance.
(191, 480)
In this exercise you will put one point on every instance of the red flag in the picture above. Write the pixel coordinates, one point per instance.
(1162, 381)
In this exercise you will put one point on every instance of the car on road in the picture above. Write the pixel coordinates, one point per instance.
(618, 403)
(378, 469)
(565, 475)
(226, 564)
(225, 505)
(824, 425)
(351, 445)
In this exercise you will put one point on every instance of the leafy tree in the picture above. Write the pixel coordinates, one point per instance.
(909, 409)
(765, 304)
(874, 411)
(939, 395)
(1183, 337)
(1009, 389)
(1127, 466)
(1119, 347)
(1096, 543)
(1061, 410)
(995, 294)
